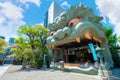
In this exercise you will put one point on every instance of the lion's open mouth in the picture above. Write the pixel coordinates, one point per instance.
(77, 42)
(73, 44)
(78, 51)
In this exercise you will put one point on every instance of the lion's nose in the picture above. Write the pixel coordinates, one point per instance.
(66, 31)
(62, 33)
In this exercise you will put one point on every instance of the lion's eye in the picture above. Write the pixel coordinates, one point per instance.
(51, 33)
(74, 22)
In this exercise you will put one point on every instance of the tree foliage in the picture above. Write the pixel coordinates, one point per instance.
(21, 48)
(30, 45)
(2, 45)
(112, 38)
(119, 38)
(112, 41)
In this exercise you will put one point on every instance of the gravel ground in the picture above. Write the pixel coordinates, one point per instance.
(15, 73)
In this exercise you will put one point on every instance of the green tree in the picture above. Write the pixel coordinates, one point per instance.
(2, 45)
(21, 51)
(112, 38)
(119, 38)
(32, 43)
(112, 41)
(20, 48)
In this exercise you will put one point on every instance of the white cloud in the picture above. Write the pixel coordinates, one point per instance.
(10, 19)
(37, 2)
(65, 4)
(111, 9)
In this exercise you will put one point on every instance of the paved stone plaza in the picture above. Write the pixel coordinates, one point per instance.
(3, 69)
(15, 73)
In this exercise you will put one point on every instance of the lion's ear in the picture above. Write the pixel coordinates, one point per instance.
(95, 19)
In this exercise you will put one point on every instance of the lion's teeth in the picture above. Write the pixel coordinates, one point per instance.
(53, 46)
(97, 39)
(88, 35)
(78, 40)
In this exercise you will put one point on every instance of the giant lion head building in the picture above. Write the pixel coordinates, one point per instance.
(74, 36)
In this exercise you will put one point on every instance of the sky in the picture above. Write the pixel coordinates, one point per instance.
(15, 13)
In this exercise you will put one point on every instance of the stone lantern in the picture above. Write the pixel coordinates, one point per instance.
(100, 55)
(103, 71)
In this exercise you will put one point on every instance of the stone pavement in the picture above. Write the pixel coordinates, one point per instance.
(3, 69)
(116, 73)
(15, 73)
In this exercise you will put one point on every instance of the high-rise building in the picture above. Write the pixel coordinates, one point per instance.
(52, 13)
(46, 19)
(11, 41)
